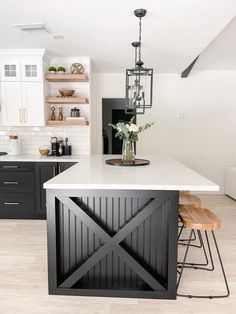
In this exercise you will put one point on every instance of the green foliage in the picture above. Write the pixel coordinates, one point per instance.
(61, 69)
(51, 68)
(129, 131)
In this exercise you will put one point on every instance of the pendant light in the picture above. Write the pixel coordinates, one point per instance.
(139, 80)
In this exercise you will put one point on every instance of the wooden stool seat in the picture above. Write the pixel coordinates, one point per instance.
(199, 218)
(189, 201)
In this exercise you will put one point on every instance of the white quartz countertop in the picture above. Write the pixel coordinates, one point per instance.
(163, 173)
(39, 158)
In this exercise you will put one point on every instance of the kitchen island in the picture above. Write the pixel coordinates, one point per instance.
(112, 231)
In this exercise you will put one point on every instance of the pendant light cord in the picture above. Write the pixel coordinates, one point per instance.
(140, 30)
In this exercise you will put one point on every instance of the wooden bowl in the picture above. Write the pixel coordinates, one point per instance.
(66, 92)
(44, 151)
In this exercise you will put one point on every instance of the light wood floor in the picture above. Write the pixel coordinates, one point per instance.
(23, 274)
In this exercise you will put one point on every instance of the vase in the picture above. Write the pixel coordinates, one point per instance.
(128, 151)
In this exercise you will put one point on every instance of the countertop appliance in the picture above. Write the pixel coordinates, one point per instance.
(14, 146)
(54, 146)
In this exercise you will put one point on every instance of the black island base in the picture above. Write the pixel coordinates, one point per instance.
(108, 243)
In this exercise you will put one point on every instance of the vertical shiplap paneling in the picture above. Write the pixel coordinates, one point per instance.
(148, 241)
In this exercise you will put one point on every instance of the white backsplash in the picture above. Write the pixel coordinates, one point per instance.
(34, 137)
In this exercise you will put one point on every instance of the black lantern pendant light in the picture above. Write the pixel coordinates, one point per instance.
(139, 80)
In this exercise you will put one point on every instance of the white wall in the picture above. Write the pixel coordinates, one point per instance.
(205, 139)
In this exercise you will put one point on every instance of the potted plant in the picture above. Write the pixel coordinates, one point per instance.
(52, 69)
(128, 132)
(61, 70)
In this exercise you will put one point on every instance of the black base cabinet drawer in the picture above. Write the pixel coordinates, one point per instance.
(17, 166)
(17, 205)
(22, 181)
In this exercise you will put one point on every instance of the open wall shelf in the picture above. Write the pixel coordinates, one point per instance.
(66, 100)
(67, 122)
(66, 77)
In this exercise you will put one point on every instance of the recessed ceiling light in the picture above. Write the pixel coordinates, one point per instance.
(34, 27)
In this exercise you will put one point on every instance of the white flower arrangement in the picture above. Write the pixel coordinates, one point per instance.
(129, 131)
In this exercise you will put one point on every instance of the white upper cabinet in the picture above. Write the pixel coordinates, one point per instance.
(31, 70)
(11, 104)
(32, 100)
(10, 70)
(22, 88)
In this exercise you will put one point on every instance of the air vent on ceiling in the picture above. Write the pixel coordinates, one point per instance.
(35, 27)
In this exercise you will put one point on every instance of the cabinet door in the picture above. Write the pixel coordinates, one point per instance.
(33, 104)
(10, 70)
(44, 172)
(62, 166)
(31, 70)
(11, 106)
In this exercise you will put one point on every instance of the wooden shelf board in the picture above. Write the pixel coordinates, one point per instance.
(66, 100)
(67, 77)
(67, 122)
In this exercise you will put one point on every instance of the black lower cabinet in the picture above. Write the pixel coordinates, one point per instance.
(22, 195)
(44, 172)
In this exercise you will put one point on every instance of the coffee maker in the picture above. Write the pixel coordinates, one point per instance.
(54, 146)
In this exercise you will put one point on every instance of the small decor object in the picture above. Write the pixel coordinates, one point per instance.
(61, 70)
(77, 68)
(60, 116)
(75, 112)
(53, 116)
(44, 151)
(128, 132)
(52, 70)
(139, 79)
(66, 92)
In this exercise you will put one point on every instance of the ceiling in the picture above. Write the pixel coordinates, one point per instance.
(220, 54)
(174, 31)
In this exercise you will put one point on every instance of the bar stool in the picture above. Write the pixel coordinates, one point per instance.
(201, 220)
(186, 199)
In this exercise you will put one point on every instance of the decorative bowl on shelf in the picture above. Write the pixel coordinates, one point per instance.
(66, 92)
(44, 151)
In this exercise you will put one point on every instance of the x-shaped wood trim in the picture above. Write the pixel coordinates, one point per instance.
(112, 243)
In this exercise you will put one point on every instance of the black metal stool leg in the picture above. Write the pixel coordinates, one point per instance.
(222, 267)
(196, 265)
(212, 268)
(184, 260)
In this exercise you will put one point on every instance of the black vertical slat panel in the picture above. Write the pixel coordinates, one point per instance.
(96, 239)
(90, 240)
(121, 264)
(78, 241)
(134, 236)
(158, 238)
(116, 216)
(140, 240)
(72, 239)
(110, 221)
(104, 221)
(84, 234)
(66, 241)
(61, 240)
(128, 213)
(146, 240)
(153, 240)
(166, 239)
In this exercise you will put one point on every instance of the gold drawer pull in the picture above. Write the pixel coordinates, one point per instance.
(11, 182)
(12, 203)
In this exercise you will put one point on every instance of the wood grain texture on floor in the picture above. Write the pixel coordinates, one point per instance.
(23, 274)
